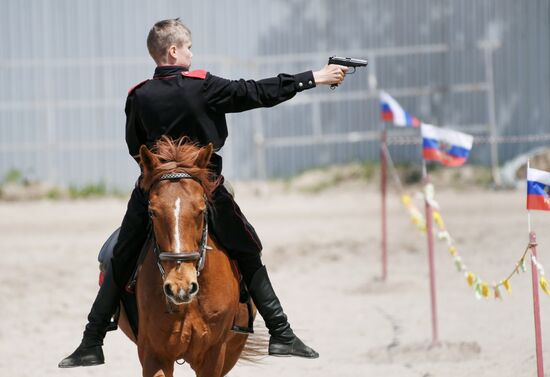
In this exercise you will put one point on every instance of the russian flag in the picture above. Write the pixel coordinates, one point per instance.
(538, 186)
(449, 147)
(391, 111)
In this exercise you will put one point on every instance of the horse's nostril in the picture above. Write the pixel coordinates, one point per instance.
(168, 290)
(194, 288)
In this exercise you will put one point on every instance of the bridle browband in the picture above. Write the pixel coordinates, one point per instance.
(179, 256)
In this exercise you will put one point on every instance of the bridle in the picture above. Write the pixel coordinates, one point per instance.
(180, 256)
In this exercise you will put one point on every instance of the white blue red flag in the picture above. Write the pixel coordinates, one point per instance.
(391, 111)
(450, 148)
(538, 187)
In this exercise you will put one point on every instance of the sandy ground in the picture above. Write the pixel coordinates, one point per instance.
(323, 253)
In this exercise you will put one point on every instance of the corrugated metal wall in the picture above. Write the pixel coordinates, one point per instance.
(65, 67)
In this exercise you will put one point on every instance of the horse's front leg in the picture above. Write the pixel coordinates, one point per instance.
(212, 365)
(154, 366)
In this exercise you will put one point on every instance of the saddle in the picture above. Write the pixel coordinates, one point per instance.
(128, 298)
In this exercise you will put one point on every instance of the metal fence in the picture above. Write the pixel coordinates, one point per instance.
(65, 66)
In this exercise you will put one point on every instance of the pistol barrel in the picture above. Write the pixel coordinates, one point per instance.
(348, 62)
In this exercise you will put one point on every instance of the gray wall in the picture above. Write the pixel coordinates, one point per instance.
(66, 66)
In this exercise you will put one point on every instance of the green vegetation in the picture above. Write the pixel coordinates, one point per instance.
(322, 178)
(97, 190)
(14, 186)
(484, 177)
(88, 191)
(12, 176)
(55, 194)
(369, 169)
(368, 173)
(410, 174)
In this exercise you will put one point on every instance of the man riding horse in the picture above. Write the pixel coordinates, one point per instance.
(177, 102)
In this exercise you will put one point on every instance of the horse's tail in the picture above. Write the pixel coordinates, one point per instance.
(256, 346)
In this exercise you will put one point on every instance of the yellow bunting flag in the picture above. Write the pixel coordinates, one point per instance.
(418, 220)
(506, 284)
(406, 199)
(452, 250)
(484, 289)
(470, 278)
(438, 220)
(544, 285)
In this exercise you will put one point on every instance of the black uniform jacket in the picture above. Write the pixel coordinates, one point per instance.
(178, 102)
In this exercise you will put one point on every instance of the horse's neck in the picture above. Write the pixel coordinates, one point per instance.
(218, 269)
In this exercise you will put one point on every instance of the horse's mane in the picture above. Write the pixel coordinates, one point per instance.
(179, 156)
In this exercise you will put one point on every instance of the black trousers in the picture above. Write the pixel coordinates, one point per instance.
(227, 224)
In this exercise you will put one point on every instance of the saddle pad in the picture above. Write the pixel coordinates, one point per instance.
(106, 252)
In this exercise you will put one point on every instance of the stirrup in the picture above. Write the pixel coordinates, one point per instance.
(242, 329)
(113, 324)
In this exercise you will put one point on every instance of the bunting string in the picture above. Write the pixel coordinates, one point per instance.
(481, 287)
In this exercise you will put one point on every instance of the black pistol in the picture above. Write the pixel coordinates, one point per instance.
(348, 62)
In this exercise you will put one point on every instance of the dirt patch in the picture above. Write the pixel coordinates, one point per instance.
(323, 254)
(425, 352)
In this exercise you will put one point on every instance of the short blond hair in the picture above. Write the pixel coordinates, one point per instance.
(164, 34)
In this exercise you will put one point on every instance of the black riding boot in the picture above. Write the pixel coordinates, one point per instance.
(283, 342)
(89, 352)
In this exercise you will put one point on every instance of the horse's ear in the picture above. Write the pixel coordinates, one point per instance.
(203, 158)
(148, 160)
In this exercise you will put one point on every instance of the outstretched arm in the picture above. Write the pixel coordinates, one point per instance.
(228, 96)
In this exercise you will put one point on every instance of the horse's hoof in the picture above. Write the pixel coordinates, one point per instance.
(83, 357)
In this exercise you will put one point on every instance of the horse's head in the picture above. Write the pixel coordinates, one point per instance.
(176, 176)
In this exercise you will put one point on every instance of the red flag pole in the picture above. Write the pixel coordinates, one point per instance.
(383, 192)
(535, 281)
(429, 232)
(536, 306)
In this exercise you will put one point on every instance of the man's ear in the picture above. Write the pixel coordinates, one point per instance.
(148, 161)
(203, 158)
(172, 52)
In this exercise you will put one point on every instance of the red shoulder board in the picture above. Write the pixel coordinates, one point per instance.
(137, 86)
(198, 74)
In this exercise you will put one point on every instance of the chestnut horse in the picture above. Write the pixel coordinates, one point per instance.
(187, 291)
